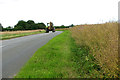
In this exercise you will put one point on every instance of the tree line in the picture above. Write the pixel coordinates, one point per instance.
(24, 25)
(62, 26)
(29, 25)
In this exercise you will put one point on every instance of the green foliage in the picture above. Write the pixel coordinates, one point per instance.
(9, 28)
(40, 26)
(62, 26)
(23, 25)
(85, 63)
(30, 25)
(53, 60)
(1, 27)
(61, 58)
(71, 25)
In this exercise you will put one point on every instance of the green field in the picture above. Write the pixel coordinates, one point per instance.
(60, 58)
(9, 36)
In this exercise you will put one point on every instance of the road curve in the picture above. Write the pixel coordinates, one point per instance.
(16, 52)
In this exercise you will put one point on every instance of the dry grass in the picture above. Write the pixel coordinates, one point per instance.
(18, 32)
(103, 42)
(14, 34)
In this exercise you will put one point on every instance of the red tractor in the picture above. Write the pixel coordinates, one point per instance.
(50, 27)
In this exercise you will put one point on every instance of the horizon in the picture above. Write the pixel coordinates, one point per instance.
(66, 25)
(63, 12)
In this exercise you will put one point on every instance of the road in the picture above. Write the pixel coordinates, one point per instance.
(16, 52)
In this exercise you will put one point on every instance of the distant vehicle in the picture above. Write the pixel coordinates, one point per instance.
(50, 27)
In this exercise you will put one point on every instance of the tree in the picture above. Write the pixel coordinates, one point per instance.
(18, 28)
(40, 26)
(21, 25)
(62, 26)
(71, 25)
(9, 28)
(1, 27)
(30, 24)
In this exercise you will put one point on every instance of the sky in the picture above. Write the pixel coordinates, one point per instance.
(60, 12)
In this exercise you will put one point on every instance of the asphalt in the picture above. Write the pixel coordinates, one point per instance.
(16, 52)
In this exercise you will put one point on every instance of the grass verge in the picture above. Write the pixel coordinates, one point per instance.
(61, 58)
(53, 60)
(14, 35)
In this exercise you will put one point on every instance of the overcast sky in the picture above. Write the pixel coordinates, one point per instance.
(60, 12)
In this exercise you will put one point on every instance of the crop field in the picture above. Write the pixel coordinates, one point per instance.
(102, 40)
(14, 34)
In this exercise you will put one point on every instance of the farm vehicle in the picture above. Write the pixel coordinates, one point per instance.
(50, 27)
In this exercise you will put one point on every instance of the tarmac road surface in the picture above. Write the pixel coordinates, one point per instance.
(16, 52)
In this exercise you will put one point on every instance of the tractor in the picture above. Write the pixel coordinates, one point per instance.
(50, 27)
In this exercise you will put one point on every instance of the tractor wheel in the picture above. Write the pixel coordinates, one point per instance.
(53, 30)
(47, 31)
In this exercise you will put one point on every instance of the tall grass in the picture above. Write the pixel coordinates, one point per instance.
(102, 40)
